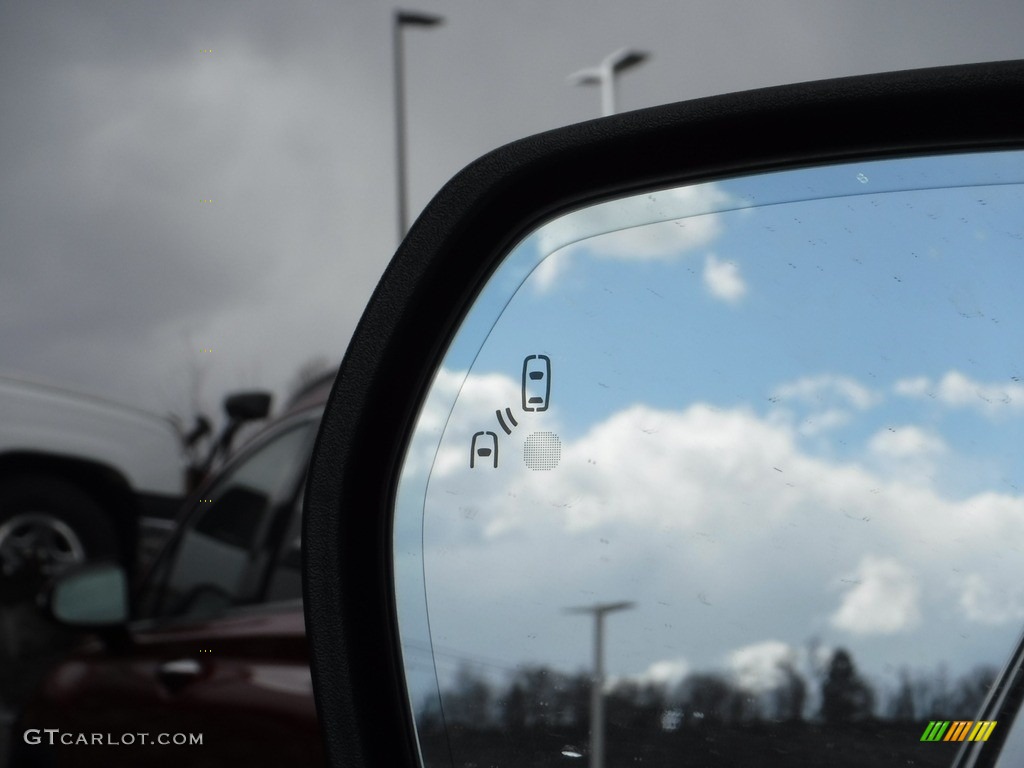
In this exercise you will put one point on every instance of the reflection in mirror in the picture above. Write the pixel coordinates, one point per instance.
(94, 596)
(771, 419)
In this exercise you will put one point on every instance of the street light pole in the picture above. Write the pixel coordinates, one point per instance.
(597, 686)
(402, 19)
(604, 74)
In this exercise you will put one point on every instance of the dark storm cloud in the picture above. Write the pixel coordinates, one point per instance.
(116, 126)
(119, 130)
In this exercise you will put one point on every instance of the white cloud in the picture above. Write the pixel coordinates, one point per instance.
(983, 603)
(664, 240)
(687, 512)
(957, 390)
(758, 667)
(684, 219)
(668, 672)
(703, 454)
(906, 442)
(907, 454)
(919, 386)
(828, 388)
(885, 599)
(828, 398)
(723, 280)
(646, 468)
(548, 272)
(825, 421)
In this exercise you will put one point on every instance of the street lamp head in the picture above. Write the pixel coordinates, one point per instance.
(622, 606)
(601, 607)
(606, 73)
(417, 19)
(590, 76)
(624, 58)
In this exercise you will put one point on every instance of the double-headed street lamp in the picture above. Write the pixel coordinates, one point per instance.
(604, 74)
(597, 685)
(400, 20)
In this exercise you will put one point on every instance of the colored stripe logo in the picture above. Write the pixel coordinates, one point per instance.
(958, 730)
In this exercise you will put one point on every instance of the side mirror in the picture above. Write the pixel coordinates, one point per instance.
(725, 393)
(240, 407)
(92, 597)
(248, 406)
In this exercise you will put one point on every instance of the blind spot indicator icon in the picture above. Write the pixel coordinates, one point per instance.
(536, 383)
(542, 451)
(484, 446)
(501, 420)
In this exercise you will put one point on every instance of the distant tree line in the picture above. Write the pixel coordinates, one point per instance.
(537, 708)
(537, 695)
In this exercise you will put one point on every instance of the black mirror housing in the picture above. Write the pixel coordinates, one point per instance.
(457, 243)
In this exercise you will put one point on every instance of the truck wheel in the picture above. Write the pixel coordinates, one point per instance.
(47, 525)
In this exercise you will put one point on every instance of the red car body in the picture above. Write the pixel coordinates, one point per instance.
(211, 669)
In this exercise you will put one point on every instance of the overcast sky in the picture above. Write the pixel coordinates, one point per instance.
(121, 118)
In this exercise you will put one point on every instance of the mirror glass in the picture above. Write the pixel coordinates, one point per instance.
(738, 457)
(97, 596)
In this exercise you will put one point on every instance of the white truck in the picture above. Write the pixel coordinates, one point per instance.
(79, 475)
(83, 478)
